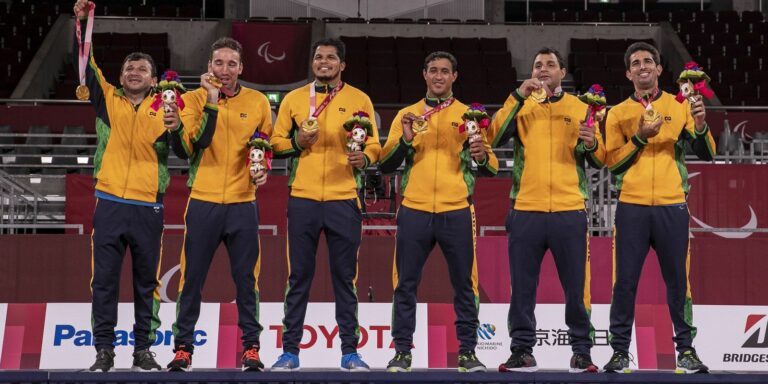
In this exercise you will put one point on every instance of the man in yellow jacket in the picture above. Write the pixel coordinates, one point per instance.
(216, 126)
(436, 188)
(324, 182)
(551, 146)
(131, 177)
(648, 160)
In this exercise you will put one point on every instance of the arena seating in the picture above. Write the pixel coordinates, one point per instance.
(731, 47)
(24, 24)
(389, 68)
(602, 61)
(110, 51)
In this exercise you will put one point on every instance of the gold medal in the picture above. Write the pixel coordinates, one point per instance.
(419, 125)
(600, 115)
(215, 81)
(539, 95)
(82, 92)
(650, 116)
(309, 125)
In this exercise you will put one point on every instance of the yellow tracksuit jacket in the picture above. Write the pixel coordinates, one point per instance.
(321, 172)
(215, 138)
(131, 159)
(653, 172)
(438, 173)
(548, 171)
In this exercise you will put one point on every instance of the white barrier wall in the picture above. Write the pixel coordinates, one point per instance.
(729, 337)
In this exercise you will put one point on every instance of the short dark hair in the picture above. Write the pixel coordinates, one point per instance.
(442, 55)
(551, 51)
(341, 48)
(135, 56)
(227, 42)
(641, 46)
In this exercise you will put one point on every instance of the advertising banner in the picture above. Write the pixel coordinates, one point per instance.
(68, 341)
(732, 338)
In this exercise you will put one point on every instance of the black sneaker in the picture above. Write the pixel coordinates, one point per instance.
(520, 361)
(105, 361)
(582, 363)
(689, 362)
(619, 363)
(182, 361)
(144, 361)
(468, 362)
(400, 363)
(251, 360)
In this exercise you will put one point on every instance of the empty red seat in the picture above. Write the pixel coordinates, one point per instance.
(381, 44)
(130, 40)
(744, 90)
(432, 44)
(751, 16)
(409, 44)
(493, 44)
(542, 16)
(680, 16)
(158, 40)
(657, 16)
(497, 59)
(634, 17)
(705, 16)
(728, 17)
(747, 63)
(470, 45)
(611, 16)
(584, 45)
(566, 16)
(355, 44)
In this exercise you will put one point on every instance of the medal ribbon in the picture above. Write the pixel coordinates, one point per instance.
(84, 48)
(647, 103)
(314, 113)
(440, 107)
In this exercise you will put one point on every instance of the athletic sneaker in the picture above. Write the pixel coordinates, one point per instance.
(144, 361)
(519, 361)
(182, 362)
(619, 363)
(287, 362)
(581, 362)
(689, 362)
(400, 363)
(353, 362)
(251, 360)
(468, 362)
(105, 361)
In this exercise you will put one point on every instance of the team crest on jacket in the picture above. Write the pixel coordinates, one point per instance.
(454, 124)
(243, 115)
(668, 118)
(567, 120)
(152, 113)
(342, 109)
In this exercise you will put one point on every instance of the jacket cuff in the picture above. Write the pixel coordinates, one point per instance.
(593, 148)
(703, 131)
(640, 143)
(296, 145)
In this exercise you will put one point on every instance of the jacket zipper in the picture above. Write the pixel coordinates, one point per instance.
(130, 153)
(226, 158)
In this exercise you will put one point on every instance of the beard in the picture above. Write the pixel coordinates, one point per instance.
(328, 79)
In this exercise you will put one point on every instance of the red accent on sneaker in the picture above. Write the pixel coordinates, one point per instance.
(184, 355)
(251, 354)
